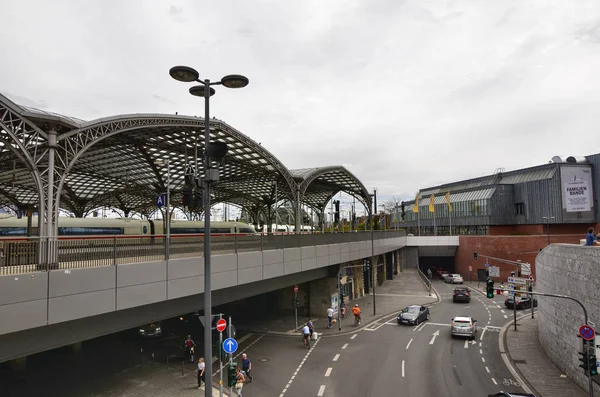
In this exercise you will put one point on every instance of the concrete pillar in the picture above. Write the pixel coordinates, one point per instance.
(321, 291)
(19, 364)
(384, 275)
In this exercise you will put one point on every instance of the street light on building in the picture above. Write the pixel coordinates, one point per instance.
(216, 151)
(547, 218)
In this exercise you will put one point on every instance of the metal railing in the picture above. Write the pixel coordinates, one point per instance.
(39, 254)
(425, 279)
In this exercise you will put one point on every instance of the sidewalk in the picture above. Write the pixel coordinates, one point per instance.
(391, 297)
(526, 356)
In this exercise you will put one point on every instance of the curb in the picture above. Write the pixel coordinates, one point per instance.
(508, 361)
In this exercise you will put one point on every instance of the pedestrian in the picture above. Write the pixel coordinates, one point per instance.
(329, 316)
(311, 327)
(239, 381)
(247, 366)
(590, 238)
(201, 367)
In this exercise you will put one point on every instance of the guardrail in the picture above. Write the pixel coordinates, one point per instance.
(31, 254)
(425, 279)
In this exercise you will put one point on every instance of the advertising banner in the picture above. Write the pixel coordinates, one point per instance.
(576, 185)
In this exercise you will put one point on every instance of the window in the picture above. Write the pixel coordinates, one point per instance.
(519, 208)
(13, 231)
(82, 231)
(145, 230)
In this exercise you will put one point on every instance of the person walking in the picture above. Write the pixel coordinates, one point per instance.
(239, 381)
(311, 327)
(201, 368)
(590, 238)
(247, 366)
(329, 316)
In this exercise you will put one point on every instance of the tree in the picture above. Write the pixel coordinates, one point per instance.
(389, 207)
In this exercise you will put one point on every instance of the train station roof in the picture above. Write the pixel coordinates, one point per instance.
(125, 161)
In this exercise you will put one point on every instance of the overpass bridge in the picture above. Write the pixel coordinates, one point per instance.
(100, 288)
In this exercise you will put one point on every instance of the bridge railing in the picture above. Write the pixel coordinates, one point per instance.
(34, 254)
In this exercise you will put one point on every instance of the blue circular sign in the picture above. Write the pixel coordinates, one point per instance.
(230, 345)
(587, 332)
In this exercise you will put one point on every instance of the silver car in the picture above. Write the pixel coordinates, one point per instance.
(463, 326)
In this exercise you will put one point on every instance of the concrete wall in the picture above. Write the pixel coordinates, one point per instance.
(570, 270)
(410, 257)
(320, 296)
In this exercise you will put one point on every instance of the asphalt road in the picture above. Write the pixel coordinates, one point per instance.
(395, 360)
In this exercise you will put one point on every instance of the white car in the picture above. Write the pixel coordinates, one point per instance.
(456, 279)
(447, 278)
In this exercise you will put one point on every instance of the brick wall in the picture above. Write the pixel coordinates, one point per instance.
(566, 228)
(569, 270)
(512, 248)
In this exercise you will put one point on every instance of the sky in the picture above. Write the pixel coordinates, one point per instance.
(405, 94)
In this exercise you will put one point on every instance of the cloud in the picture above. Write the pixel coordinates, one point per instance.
(408, 94)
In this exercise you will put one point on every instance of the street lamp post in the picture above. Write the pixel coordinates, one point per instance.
(216, 150)
(547, 218)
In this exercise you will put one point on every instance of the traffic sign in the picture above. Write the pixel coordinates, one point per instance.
(221, 325)
(470, 268)
(487, 264)
(517, 280)
(587, 332)
(494, 271)
(525, 269)
(295, 288)
(230, 345)
(160, 200)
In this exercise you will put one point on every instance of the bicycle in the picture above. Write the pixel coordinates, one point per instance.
(357, 320)
(306, 340)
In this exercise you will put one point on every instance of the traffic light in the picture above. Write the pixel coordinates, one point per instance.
(337, 211)
(475, 255)
(584, 359)
(297, 302)
(490, 288)
(592, 365)
(231, 377)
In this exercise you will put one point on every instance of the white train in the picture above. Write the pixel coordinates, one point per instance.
(11, 226)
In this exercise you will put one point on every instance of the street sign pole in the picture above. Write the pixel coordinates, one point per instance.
(230, 355)
(221, 361)
(295, 305)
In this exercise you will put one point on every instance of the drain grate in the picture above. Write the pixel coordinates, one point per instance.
(520, 361)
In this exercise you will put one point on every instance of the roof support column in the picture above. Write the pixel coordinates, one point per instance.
(298, 216)
(51, 205)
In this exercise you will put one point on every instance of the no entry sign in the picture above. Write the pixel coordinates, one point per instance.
(221, 325)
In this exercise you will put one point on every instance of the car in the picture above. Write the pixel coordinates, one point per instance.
(447, 277)
(463, 326)
(461, 294)
(443, 274)
(456, 279)
(413, 315)
(522, 303)
(507, 394)
(151, 330)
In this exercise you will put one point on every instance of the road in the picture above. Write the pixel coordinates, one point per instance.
(390, 359)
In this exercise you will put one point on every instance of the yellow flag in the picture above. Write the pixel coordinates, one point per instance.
(432, 203)
(447, 197)
(416, 207)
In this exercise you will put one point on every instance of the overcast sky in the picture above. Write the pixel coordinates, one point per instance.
(405, 94)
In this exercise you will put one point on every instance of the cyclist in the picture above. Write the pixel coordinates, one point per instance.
(306, 335)
(356, 312)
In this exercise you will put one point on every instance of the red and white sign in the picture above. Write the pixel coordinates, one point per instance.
(295, 288)
(470, 268)
(221, 325)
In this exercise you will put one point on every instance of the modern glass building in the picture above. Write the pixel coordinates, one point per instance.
(561, 196)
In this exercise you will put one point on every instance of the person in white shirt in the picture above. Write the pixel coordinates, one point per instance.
(329, 316)
(201, 367)
(306, 335)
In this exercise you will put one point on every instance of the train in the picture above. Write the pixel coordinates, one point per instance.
(11, 226)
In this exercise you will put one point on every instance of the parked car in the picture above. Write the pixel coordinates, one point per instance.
(413, 314)
(461, 294)
(152, 330)
(507, 394)
(463, 326)
(447, 278)
(522, 303)
(443, 274)
(456, 279)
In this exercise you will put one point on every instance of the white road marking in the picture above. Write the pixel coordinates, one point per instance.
(493, 327)
(494, 380)
(480, 351)
(345, 346)
(422, 326)
(502, 311)
(321, 391)
(479, 344)
(300, 366)
(466, 344)
(436, 333)
(408, 345)
(482, 333)
(335, 358)
(439, 324)
(353, 336)
(505, 316)
(482, 359)
(487, 369)
(328, 372)
(403, 368)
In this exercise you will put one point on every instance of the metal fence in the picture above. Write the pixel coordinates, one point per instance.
(35, 254)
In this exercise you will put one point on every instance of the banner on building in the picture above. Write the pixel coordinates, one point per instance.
(576, 188)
